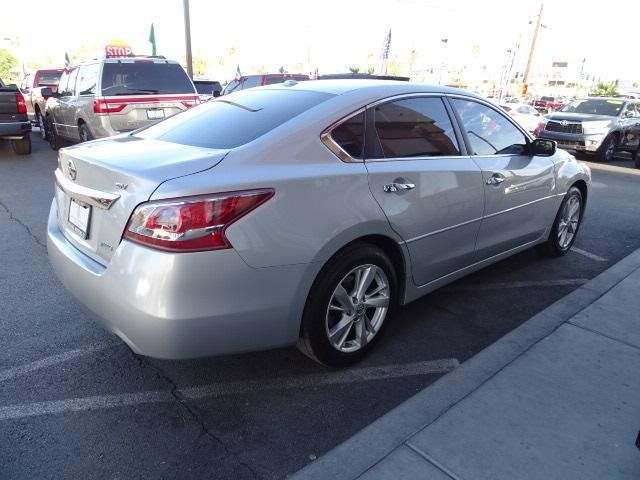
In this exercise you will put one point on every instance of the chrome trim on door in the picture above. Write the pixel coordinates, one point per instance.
(96, 198)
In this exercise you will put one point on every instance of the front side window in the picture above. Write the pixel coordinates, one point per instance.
(414, 127)
(350, 135)
(489, 132)
(49, 79)
(231, 86)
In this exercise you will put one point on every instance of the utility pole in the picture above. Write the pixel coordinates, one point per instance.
(187, 37)
(533, 44)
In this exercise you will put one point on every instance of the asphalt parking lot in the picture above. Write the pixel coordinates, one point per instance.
(75, 402)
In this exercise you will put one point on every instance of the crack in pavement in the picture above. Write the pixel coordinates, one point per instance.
(22, 224)
(175, 393)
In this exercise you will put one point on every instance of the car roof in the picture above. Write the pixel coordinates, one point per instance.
(373, 87)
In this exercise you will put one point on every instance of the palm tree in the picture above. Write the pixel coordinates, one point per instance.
(604, 89)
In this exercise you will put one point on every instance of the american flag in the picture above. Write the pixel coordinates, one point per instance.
(386, 47)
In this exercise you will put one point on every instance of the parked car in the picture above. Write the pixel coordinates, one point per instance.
(546, 104)
(595, 125)
(14, 123)
(369, 76)
(195, 237)
(207, 89)
(527, 116)
(250, 81)
(105, 97)
(31, 88)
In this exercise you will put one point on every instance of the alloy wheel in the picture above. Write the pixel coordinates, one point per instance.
(357, 308)
(569, 220)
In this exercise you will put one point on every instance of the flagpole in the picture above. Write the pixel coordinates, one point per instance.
(187, 37)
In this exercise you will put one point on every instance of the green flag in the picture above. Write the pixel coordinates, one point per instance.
(152, 39)
(67, 62)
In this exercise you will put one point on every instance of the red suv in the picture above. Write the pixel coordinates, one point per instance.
(250, 81)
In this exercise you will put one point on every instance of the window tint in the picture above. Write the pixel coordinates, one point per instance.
(250, 82)
(207, 88)
(143, 77)
(489, 132)
(273, 79)
(87, 79)
(231, 86)
(350, 135)
(70, 85)
(235, 120)
(414, 127)
(49, 78)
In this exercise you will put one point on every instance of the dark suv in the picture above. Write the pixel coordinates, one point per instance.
(597, 125)
(250, 81)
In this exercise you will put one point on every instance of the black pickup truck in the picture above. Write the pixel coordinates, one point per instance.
(14, 123)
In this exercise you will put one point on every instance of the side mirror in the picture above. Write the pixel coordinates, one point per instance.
(542, 147)
(216, 93)
(46, 92)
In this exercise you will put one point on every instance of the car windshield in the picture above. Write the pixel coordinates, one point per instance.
(144, 78)
(595, 106)
(233, 120)
(49, 78)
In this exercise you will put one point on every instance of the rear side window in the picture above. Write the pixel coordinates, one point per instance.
(414, 127)
(350, 135)
(88, 79)
(144, 78)
(234, 120)
(251, 82)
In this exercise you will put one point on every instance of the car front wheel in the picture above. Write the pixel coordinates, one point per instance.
(566, 225)
(607, 149)
(348, 305)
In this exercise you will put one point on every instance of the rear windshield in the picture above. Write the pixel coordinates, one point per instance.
(205, 88)
(144, 78)
(595, 106)
(49, 78)
(234, 119)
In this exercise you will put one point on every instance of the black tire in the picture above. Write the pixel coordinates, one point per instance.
(636, 157)
(41, 125)
(607, 150)
(55, 142)
(553, 246)
(314, 339)
(22, 146)
(84, 133)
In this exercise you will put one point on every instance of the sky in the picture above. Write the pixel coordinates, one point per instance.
(335, 34)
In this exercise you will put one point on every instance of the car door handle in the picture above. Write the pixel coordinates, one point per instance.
(495, 179)
(398, 187)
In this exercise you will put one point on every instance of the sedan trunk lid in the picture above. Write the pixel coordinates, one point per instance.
(100, 183)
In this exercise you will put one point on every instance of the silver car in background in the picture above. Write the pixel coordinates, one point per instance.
(106, 97)
(301, 213)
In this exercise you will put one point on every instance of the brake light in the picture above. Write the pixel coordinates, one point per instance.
(192, 224)
(22, 107)
(191, 103)
(102, 107)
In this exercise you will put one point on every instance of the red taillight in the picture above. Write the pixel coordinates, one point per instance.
(191, 103)
(192, 224)
(22, 107)
(102, 107)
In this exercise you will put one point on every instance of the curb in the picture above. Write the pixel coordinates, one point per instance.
(356, 455)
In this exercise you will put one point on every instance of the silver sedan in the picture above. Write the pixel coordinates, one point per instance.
(301, 213)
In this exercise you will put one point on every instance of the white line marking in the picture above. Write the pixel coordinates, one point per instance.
(238, 388)
(523, 284)
(590, 255)
(14, 372)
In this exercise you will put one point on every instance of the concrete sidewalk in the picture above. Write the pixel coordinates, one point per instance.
(557, 398)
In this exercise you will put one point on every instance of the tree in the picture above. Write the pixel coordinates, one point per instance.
(354, 69)
(7, 63)
(604, 89)
(201, 65)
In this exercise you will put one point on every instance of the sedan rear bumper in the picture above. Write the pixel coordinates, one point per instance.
(186, 305)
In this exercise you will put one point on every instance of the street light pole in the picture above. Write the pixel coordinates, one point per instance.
(187, 37)
(533, 44)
